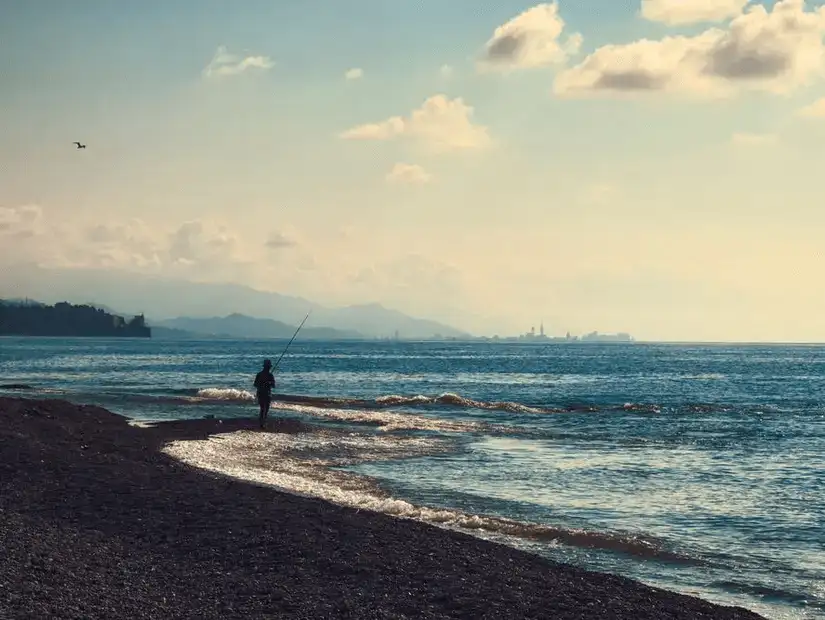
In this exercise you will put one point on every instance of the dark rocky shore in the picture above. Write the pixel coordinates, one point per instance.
(96, 523)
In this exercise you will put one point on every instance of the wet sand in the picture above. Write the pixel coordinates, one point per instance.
(95, 522)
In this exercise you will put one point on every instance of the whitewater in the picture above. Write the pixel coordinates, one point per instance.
(694, 468)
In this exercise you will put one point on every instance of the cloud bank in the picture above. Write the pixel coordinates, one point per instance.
(682, 12)
(344, 271)
(776, 51)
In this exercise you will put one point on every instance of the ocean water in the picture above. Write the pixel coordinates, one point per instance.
(697, 468)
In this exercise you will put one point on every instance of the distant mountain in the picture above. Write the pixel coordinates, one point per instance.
(377, 320)
(240, 326)
(163, 299)
(170, 333)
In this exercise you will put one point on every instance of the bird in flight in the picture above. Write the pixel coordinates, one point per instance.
(80, 146)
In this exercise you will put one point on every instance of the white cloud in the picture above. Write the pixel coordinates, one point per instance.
(390, 128)
(774, 51)
(132, 243)
(446, 71)
(204, 243)
(409, 174)
(198, 249)
(280, 240)
(443, 123)
(21, 222)
(28, 234)
(320, 267)
(681, 12)
(753, 139)
(223, 63)
(814, 110)
(354, 74)
(531, 39)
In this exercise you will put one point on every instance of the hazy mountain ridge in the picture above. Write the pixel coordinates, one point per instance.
(241, 326)
(170, 333)
(164, 300)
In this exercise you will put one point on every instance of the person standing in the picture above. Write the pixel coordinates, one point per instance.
(264, 382)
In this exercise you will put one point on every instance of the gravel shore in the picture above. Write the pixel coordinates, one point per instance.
(96, 523)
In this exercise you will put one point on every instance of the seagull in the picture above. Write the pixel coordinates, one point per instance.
(80, 146)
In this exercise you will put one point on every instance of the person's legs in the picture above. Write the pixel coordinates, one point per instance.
(264, 402)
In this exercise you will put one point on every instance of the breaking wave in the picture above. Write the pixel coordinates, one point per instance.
(457, 401)
(382, 402)
(225, 394)
(370, 410)
(303, 464)
(446, 399)
(386, 420)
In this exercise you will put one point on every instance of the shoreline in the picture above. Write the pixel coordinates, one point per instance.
(98, 522)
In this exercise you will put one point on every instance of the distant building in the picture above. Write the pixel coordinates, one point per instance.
(597, 337)
(594, 336)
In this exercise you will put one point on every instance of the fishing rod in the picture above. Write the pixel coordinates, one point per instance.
(275, 367)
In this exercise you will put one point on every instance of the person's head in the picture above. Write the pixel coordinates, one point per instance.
(267, 364)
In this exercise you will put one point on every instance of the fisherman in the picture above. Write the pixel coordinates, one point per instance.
(264, 382)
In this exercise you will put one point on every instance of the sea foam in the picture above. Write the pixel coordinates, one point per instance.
(303, 465)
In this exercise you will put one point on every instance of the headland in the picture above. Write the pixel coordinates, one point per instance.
(67, 320)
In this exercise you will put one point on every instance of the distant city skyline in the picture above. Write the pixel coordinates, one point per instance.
(643, 167)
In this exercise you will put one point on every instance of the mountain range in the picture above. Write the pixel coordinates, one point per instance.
(220, 309)
(241, 326)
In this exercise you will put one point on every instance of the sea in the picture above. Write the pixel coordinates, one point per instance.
(695, 468)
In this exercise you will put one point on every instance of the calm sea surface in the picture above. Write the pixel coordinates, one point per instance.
(695, 468)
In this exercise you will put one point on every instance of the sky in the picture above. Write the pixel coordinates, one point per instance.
(647, 166)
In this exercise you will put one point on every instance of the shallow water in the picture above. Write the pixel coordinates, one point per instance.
(696, 468)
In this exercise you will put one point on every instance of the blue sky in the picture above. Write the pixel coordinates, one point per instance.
(560, 171)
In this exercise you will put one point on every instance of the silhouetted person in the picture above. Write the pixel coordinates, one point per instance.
(264, 382)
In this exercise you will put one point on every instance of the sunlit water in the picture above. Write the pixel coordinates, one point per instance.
(696, 468)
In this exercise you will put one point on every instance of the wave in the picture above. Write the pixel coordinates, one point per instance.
(229, 394)
(766, 591)
(381, 402)
(217, 395)
(455, 400)
(351, 411)
(303, 464)
(387, 420)
(447, 399)
(642, 408)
